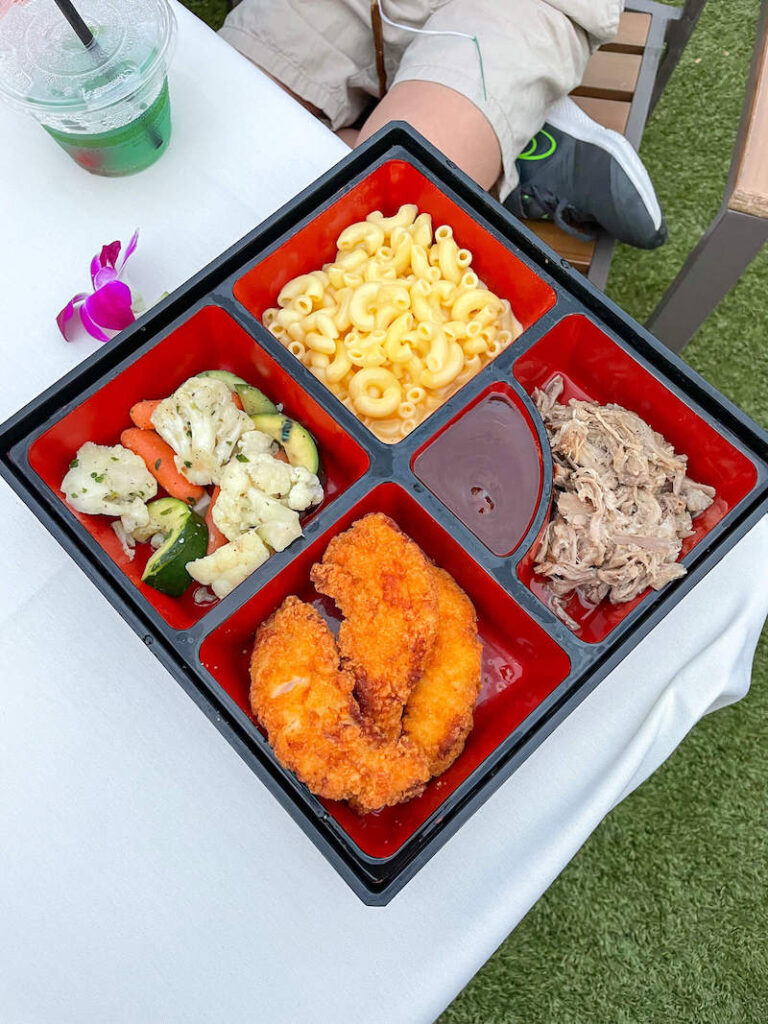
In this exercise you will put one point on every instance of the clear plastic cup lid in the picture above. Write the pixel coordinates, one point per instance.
(44, 64)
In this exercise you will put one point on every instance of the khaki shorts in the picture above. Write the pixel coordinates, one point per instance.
(533, 53)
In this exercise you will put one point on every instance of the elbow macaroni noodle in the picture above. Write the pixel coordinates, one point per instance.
(396, 324)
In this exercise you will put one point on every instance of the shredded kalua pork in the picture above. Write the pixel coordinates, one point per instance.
(622, 503)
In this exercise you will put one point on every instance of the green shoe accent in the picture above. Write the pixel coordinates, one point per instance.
(531, 152)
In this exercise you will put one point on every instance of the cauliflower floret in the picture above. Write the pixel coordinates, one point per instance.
(277, 525)
(260, 491)
(269, 475)
(232, 510)
(306, 489)
(202, 424)
(226, 568)
(256, 442)
(136, 518)
(241, 507)
(110, 481)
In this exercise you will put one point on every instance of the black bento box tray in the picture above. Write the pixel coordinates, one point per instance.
(377, 879)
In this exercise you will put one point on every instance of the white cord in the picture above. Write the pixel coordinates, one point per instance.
(435, 32)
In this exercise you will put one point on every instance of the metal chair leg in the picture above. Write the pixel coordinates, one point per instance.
(730, 244)
(679, 31)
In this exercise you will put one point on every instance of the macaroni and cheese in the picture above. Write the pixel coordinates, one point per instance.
(397, 323)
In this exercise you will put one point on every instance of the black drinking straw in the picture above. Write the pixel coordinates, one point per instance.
(88, 40)
(79, 27)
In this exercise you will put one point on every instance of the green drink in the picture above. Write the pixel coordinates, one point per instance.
(106, 105)
(126, 149)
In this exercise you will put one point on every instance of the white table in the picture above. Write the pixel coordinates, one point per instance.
(146, 876)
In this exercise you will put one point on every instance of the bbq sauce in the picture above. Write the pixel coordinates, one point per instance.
(487, 469)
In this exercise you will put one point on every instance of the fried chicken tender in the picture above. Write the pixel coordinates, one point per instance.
(304, 700)
(385, 588)
(438, 716)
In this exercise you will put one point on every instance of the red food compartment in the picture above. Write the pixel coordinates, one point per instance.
(485, 465)
(387, 188)
(208, 340)
(521, 664)
(595, 368)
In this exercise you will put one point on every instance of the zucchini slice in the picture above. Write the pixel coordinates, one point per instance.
(230, 379)
(255, 402)
(185, 539)
(297, 441)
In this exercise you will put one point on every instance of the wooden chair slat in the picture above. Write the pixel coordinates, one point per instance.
(610, 76)
(576, 251)
(634, 27)
(750, 183)
(612, 114)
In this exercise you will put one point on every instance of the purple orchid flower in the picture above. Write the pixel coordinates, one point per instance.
(108, 307)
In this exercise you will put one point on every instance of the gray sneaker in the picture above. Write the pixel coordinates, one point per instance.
(583, 176)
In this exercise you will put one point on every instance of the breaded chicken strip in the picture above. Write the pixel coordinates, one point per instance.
(438, 715)
(384, 587)
(304, 700)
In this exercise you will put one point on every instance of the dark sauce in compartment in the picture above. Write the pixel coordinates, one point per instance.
(486, 468)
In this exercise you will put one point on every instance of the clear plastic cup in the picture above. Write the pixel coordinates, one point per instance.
(106, 105)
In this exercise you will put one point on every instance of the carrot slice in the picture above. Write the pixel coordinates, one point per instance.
(158, 457)
(216, 538)
(141, 412)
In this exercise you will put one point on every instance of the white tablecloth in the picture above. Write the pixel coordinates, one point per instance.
(146, 876)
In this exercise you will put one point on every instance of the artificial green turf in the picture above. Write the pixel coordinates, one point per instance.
(662, 917)
(213, 12)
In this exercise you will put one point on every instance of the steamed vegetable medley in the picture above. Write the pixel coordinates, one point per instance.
(215, 431)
